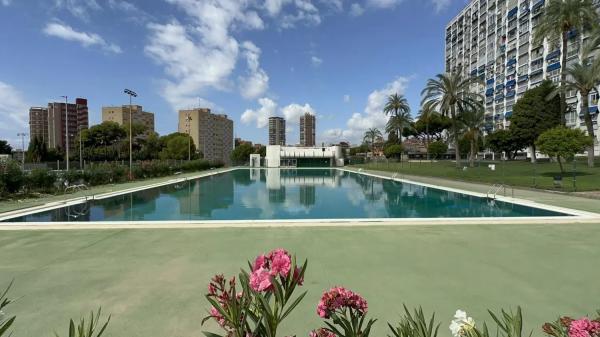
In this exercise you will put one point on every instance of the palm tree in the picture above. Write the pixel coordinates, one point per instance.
(584, 77)
(426, 114)
(560, 18)
(371, 135)
(397, 105)
(450, 94)
(473, 121)
(397, 123)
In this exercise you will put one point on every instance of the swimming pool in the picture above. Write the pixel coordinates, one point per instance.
(267, 194)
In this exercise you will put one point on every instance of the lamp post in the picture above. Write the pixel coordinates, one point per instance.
(80, 149)
(188, 121)
(66, 130)
(22, 135)
(131, 94)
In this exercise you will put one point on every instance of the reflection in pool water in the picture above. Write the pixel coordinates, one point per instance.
(255, 194)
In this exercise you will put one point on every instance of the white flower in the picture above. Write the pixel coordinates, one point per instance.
(461, 324)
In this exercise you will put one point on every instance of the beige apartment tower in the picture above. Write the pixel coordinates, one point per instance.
(120, 115)
(276, 131)
(307, 129)
(212, 133)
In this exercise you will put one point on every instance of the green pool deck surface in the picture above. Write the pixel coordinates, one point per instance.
(153, 281)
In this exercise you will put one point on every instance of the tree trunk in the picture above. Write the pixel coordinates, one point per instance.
(427, 136)
(456, 140)
(589, 125)
(472, 159)
(563, 79)
(560, 164)
(533, 156)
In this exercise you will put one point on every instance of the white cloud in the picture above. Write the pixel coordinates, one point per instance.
(6, 2)
(440, 5)
(315, 61)
(256, 82)
(346, 98)
(356, 9)
(66, 32)
(372, 117)
(383, 3)
(14, 111)
(337, 5)
(78, 8)
(194, 66)
(305, 12)
(260, 116)
(293, 112)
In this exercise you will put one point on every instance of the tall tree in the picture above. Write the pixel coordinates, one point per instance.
(371, 135)
(175, 146)
(560, 18)
(397, 123)
(396, 106)
(5, 148)
(584, 77)
(37, 150)
(473, 121)
(451, 95)
(533, 114)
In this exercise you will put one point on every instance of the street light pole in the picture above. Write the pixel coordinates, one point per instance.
(66, 130)
(189, 118)
(131, 94)
(80, 150)
(22, 135)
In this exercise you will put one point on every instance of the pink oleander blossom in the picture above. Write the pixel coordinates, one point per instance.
(214, 313)
(584, 327)
(277, 263)
(340, 298)
(321, 332)
(260, 280)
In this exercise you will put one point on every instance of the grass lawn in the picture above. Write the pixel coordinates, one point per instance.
(514, 173)
(153, 281)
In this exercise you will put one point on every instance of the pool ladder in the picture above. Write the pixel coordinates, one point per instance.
(494, 189)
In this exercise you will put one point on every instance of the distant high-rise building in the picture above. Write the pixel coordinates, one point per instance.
(212, 133)
(38, 123)
(276, 131)
(120, 115)
(77, 120)
(307, 129)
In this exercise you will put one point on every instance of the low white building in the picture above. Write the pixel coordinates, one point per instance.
(292, 156)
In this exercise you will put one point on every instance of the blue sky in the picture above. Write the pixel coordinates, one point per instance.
(250, 59)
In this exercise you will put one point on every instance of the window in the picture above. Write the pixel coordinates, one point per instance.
(594, 99)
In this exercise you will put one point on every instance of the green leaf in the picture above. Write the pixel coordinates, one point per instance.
(210, 334)
(293, 305)
(7, 325)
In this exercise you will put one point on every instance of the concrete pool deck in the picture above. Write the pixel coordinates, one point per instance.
(581, 210)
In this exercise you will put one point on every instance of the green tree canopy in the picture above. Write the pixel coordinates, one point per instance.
(563, 143)
(437, 149)
(393, 151)
(37, 151)
(5, 148)
(503, 141)
(242, 152)
(533, 114)
(175, 146)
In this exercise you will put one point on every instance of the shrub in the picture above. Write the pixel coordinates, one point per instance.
(41, 180)
(5, 322)
(393, 151)
(89, 329)
(437, 149)
(12, 177)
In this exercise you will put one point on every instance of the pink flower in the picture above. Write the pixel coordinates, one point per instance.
(260, 280)
(321, 332)
(280, 262)
(584, 328)
(260, 262)
(340, 298)
(214, 313)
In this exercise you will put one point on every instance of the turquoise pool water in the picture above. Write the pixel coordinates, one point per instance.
(259, 194)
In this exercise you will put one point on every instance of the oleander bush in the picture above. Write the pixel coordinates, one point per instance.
(40, 180)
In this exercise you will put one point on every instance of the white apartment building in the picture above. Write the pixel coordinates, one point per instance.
(493, 40)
